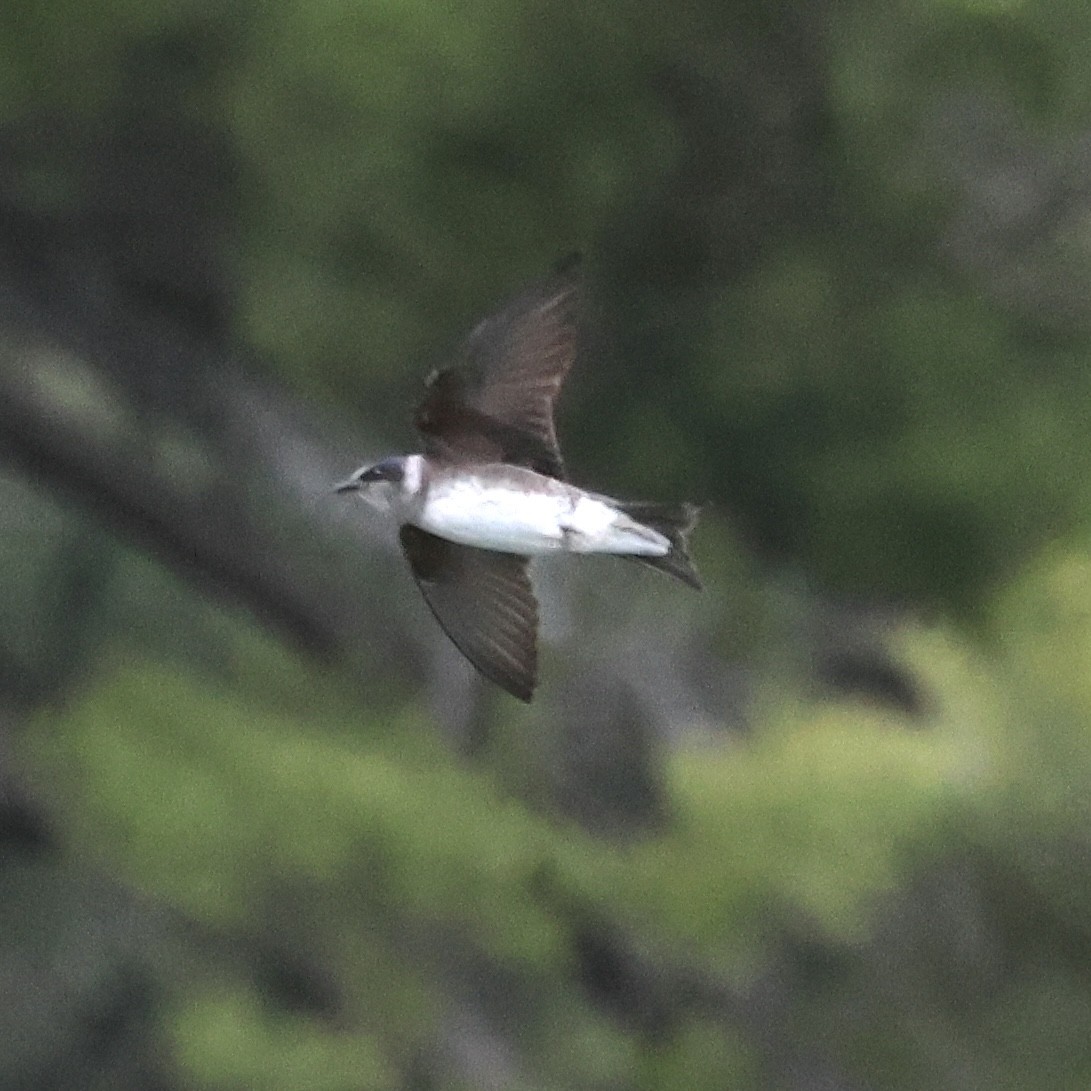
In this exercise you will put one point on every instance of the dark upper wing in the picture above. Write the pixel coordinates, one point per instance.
(484, 602)
(497, 404)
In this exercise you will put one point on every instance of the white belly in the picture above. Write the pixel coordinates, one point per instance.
(534, 523)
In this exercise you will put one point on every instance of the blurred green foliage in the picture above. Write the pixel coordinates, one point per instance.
(217, 804)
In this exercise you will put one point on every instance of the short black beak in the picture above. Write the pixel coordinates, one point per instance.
(351, 485)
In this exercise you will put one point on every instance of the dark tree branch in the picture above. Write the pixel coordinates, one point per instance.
(204, 500)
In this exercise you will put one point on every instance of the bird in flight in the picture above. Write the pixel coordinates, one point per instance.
(490, 492)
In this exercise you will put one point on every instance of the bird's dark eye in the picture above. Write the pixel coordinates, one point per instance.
(390, 469)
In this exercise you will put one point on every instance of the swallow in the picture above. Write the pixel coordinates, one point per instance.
(489, 490)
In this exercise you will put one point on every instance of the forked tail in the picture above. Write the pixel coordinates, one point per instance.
(674, 522)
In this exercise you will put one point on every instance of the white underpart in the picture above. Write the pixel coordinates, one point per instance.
(414, 470)
(512, 521)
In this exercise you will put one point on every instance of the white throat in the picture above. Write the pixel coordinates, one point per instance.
(413, 477)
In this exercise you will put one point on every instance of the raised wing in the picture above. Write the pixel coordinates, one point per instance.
(484, 602)
(497, 403)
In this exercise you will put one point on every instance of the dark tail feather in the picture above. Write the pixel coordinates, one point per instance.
(674, 522)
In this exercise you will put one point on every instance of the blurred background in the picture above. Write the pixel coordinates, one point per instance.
(823, 827)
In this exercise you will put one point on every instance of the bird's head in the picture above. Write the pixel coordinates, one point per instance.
(389, 484)
(391, 470)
